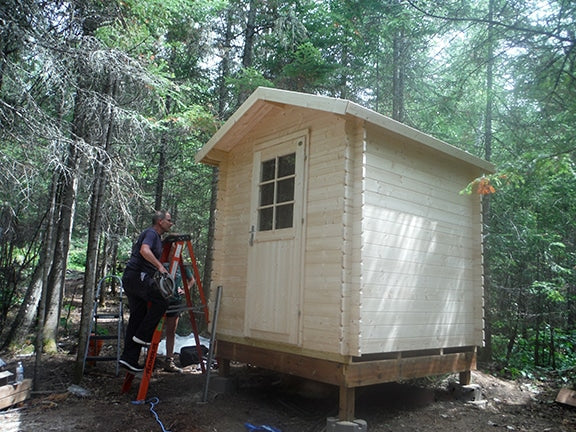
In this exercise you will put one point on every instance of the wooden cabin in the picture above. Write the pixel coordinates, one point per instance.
(345, 251)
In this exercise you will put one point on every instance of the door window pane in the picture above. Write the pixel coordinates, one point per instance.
(284, 216)
(267, 194)
(276, 204)
(266, 216)
(287, 165)
(285, 190)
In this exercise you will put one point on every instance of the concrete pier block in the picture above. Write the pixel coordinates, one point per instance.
(333, 424)
(466, 393)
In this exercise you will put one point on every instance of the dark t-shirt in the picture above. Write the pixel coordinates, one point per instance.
(137, 262)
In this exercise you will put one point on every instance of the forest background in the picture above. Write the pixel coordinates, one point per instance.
(103, 105)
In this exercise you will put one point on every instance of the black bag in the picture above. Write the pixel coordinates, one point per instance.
(189, 355)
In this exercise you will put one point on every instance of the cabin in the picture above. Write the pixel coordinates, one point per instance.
(345, 252)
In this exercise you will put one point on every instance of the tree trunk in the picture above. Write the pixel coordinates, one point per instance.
(249, 35)
(399, 72)
(103, 252)
(23, 325)
(511, 343)
(552, 348)
(160, 178)
(46, 261)
(486, 353)
(91, 268)
(98, 190)
(210, 240)
(68, 185)
(536, 347)
(225, 64)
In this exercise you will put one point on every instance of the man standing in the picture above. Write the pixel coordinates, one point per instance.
(146, 303)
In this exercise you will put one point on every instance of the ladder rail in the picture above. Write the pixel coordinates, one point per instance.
(92, 327)
(197, 281)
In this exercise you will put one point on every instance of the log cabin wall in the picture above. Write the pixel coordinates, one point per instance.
(324, 330)
(422, 278)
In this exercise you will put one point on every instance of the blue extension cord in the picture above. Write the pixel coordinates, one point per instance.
(264, 428)
(153, 402)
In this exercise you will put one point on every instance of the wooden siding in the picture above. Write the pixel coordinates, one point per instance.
(420, 254)
(331, 313)
(392, 258)
(323, 298)
(322, 327)
(351, 266)
(232, 219)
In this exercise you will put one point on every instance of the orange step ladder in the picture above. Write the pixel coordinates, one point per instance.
(174, 247)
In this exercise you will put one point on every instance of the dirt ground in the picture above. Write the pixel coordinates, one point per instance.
(174, 402)
(262, 398)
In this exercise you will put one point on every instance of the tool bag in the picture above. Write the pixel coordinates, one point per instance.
(189, 355)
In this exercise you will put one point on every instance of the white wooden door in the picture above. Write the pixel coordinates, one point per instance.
(275, 237)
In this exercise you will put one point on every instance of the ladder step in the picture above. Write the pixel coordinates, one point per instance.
(109, 316)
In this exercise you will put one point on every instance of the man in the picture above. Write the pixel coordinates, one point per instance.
(146, 303)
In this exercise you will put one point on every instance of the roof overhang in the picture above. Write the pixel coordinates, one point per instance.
(265, 100)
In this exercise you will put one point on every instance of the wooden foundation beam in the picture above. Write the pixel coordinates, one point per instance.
(381, 371)
(348, 376)
(325, 371)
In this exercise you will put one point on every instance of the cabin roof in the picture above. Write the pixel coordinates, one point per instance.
(264, 99)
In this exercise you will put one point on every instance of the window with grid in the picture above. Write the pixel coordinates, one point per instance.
(276, 193)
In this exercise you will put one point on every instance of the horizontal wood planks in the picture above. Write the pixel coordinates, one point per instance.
(420, 258)
(347, 374)
(379, 371)
(323, 297)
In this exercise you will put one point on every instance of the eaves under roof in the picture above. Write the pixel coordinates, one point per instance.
(264, 99)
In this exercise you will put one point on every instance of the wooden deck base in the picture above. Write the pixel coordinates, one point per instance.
(357, 373)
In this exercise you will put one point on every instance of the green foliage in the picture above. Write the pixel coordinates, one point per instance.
(180, 64)
(530, 256)
(521, 361)
(248, 80)
(307, 70)
(77, 255)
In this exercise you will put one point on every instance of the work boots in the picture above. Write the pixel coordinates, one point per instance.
(169, 366)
